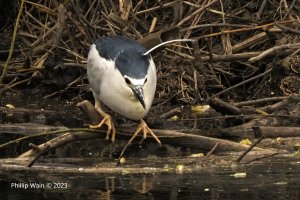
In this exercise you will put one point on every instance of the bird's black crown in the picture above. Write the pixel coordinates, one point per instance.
(127, 54)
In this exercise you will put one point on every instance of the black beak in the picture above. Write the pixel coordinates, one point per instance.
(139, 94)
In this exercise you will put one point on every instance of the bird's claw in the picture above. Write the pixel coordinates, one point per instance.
(141, 127)
(111, 130)
(144, 127)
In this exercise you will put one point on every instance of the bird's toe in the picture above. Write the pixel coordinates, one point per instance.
(111, 130)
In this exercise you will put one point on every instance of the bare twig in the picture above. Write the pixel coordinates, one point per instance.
(199, 10)
(249, 149)
(258, 101)
(243, 82)
(212, 150)
(12, 44)
(42, 152)
(273, 49)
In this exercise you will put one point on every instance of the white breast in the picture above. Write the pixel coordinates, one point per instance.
(110, 88)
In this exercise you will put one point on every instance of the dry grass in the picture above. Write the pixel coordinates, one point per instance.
(54, 37)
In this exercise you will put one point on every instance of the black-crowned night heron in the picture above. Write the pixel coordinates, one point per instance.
(122, 76)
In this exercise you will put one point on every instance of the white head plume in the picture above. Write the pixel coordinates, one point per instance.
(167, 42)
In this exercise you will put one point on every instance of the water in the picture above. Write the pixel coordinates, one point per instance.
(271, 179)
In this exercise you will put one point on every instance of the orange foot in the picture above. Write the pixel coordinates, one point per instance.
(144, 127)
(141, 127)
(111, 128)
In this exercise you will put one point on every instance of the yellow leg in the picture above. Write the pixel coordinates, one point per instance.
(141, 127)
(107, 119)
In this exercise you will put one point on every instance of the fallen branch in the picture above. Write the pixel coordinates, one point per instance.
(280, 105)
(226, 108)
(272, 50)
(28, 111)
(258, 101)
(274, 132)
(166, 136)
(29, 129)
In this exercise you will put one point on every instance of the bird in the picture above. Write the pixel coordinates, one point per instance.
(122, 76)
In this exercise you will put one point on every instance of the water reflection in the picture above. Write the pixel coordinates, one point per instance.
(273, 180)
